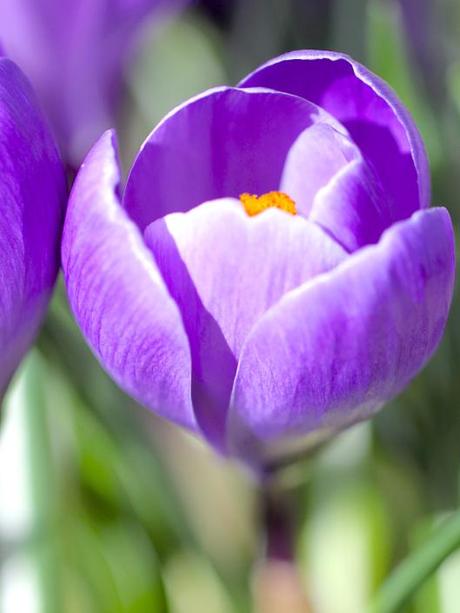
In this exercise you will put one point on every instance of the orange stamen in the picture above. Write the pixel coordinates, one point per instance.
(254, 205)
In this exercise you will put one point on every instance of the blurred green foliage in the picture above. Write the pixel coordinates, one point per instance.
(109, 509)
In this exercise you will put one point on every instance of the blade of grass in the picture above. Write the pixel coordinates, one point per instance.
(412, 572)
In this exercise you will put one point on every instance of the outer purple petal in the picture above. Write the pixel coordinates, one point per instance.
(32, 196)
(219, 144)
(118, 296)
(378, 122)
(335, 350)
(223, 276)
(75, 53)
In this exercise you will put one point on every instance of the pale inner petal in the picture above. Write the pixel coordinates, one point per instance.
(225, 269)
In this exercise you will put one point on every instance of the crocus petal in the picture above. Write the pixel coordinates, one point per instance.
(352, 207)
(32, 196)
(334, 350)
(326, 176)
(220, 144)
(117, 294)
(316, 155)
(216, 264)
(378, 122)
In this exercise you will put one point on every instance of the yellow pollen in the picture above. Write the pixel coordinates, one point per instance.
(256, 204)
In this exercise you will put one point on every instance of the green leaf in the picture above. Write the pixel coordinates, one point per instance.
(410, 575)
(28, 537)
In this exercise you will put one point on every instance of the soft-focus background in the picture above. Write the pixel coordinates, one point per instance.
(106, 509)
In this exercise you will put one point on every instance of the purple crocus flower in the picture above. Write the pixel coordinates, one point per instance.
(32, 196)
(74, 52)
(272, 272)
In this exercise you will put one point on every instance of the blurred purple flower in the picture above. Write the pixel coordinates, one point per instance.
(264, 331)
(32, 198)
(74, 52)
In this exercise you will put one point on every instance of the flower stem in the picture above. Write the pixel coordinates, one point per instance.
(278, 514)
(278, 586)
(414, 570)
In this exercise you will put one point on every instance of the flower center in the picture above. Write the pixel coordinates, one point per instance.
(254, 205)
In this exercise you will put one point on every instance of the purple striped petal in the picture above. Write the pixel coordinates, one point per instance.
(32, 196)
(336, 349)
(118, 296)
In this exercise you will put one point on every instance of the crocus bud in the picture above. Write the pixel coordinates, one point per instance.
(271, 273)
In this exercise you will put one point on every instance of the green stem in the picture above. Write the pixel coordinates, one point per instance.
(414, 570)
(277, 584)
